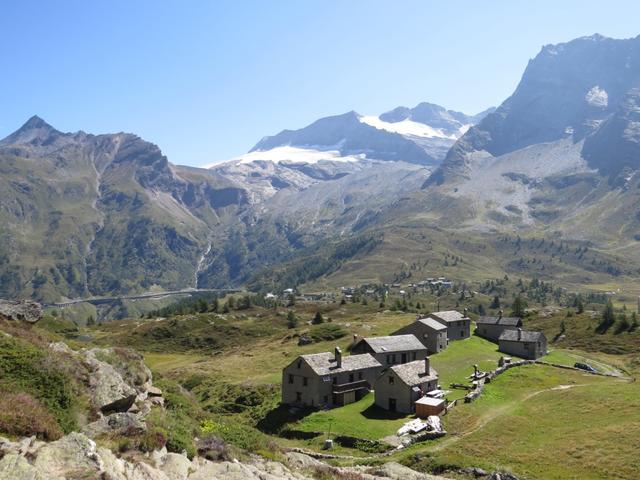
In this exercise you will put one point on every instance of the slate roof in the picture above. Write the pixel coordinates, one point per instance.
(506, 321)
(431, 323)
(394, 343)
(525, 337)
(325, 363)
(413, 373)
(448, 316)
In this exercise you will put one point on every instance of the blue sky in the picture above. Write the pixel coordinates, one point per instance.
(205, 80)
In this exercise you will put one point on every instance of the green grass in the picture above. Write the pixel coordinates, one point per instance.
(542, 422)
(361, 419)
(455, 363)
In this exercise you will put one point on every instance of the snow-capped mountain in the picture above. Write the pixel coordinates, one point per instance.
(333, 147)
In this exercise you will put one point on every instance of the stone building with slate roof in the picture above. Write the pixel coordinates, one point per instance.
(492, 327)
(431, 333)
(400, 386)
(458, 324)
(328, 379)
(523, 343)
(392, 350)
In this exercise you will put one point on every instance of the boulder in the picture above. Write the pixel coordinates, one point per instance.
(174, 466)
(72, 456)
(16, 467)
(21, 311)
(154, 392)
(109, 391)
(116, 424)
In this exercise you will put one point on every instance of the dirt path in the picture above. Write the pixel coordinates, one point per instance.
(498, 412)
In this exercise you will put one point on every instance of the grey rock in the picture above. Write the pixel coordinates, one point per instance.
(110, 393)
(74, 454)
(116, 424)
(16, 467)
(21, 311)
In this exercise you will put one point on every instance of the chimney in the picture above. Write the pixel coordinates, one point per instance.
(338, 353)
(464, 312)
(426, 365)
(355, 338)
(500, 314)
(519, 333)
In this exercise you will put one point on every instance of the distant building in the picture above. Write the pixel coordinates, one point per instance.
(431, 333)
(391, 350)
(398, 388)
(328, 380)
(458, 324)
(523, 344)
(492, 327)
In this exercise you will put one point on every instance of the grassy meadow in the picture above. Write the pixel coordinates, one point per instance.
(538, 422)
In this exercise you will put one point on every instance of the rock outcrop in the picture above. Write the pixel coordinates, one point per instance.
(77, 456)
(21, 311)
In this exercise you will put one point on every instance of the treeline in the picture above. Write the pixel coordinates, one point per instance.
(314, 265)
(211, 303)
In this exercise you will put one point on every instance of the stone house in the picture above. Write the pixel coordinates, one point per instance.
(492, 327)
(391, 350)
(400, 386)
(431, 333)
(458, 324)
(328, 380)
(523, 344)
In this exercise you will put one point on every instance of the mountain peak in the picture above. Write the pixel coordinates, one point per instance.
(34, 129)
(35, 122)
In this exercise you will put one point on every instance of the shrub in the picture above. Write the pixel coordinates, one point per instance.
(25, 368)
(213, 448)
(22, 415)
(326, 332)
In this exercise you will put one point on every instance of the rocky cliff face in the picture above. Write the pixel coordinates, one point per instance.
(570, 90)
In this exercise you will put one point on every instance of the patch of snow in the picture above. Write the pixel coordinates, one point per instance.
(597, 97)
(407, 127)
(290, 154)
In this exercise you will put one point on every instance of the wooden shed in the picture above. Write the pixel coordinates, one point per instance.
(426, 406)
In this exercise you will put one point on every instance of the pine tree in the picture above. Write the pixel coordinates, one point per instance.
(292, 320)
(608, 318)
(518, 307)
(579, 305)
(317, 319)
(91, 321)
(495, 303)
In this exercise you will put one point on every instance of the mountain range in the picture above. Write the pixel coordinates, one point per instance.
(545, 185)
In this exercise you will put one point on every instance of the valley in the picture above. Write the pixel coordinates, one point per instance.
(286, 312)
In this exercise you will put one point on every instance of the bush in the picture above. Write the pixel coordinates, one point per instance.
(22, 415)
(239, 434)
(213, 448)
(326, 332)
(25, 368)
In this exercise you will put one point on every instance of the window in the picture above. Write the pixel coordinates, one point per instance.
(462, 333)
(391, 379)
(393, 358)
(359, 375)
(413, 356)
(298, 396)
(526, 346)
(299, 363)
(351, 378)
(335, 380)
(290, 378)
(305, 381)
(388, 359)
